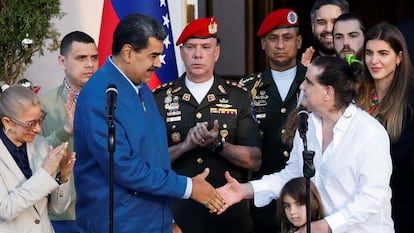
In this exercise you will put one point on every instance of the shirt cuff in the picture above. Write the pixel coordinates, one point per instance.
(336, 222)
(188, 189)
(262, 193)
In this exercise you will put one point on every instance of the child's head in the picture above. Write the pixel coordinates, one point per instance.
(291, 205)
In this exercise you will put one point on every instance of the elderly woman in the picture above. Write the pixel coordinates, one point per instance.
(29, 183)
(352, 156)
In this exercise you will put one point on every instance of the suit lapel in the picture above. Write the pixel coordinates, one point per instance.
(10, 168)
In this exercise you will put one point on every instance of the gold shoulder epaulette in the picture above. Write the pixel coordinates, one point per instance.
(248, 79)
(236, 84)
(162, 87)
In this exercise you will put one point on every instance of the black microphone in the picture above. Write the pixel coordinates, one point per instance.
(303, 122)
(111, 94)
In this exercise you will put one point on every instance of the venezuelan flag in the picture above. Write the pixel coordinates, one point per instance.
(115, 10)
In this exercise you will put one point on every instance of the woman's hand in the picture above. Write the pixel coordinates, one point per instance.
(66, 166)
(58, 158)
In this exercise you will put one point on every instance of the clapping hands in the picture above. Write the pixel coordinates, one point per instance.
(58, 158)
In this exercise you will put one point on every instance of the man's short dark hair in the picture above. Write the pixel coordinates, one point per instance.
(136, 29)
(343, 4)
(351, 16)
(71, 37)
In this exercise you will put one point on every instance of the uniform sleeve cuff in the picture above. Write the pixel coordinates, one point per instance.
(62, 135)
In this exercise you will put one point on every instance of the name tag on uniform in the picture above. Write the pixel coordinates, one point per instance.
(261, 116)
(173, 119)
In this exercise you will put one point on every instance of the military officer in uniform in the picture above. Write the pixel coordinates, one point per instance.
(275, 92)
(210, 124)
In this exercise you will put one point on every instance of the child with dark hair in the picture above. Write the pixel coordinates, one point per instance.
(291, 206)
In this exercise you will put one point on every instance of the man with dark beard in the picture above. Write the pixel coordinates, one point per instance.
(275, 94)
(323, 16)
(348, 33)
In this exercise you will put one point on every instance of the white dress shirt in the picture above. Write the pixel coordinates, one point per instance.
(352, 174)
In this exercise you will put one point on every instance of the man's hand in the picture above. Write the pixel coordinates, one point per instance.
(190, 142)
(176, 228)
(206, 194)
(198, 135)
(307, 56)
(232, 192)
(204, 137)
(70, 106)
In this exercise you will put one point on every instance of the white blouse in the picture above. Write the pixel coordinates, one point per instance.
(352, 174)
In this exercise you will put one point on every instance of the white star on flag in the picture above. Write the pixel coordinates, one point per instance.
(167, 41)
(157, 9)
(162, 59)
(166, 21)
(162, 3)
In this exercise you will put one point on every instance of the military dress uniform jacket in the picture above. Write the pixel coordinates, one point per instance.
(230, 104)
(271, 113)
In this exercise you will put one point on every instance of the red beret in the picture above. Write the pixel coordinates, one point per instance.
(282, 18)
(199, 28)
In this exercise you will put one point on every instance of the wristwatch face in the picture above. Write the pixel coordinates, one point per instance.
(218, 147)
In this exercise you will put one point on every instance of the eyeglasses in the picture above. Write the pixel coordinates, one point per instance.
(32, 123)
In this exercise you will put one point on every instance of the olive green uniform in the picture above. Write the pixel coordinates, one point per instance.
(230, 104)
(271, 113)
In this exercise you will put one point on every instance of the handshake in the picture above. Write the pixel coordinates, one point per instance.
(218, 200)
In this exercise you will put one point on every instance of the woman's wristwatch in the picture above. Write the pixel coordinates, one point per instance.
(59, 179)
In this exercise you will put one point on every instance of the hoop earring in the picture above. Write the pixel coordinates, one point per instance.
(6, 130)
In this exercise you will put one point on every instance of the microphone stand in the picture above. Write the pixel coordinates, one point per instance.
(308, 172)
(111, 150)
